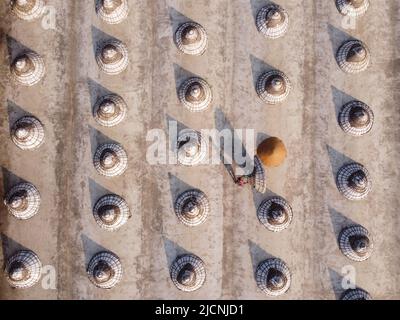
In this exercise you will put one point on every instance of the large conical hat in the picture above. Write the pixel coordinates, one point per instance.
(188, 273)
(352, 8)
(192, 147)
(272, 152)
(272, 21)
(356, 294)
(192, 207)
(105, 270)
(112, 11)
(27, 68)
(275, 214)
(111, 212)
(112, 57)
(23, 269)
(23, 201)
(110, 110)
(356, 243)
(191, 38)
(195, 94)
(356, 118)
(353, 56)
(353, 181)
(273, 277)
(273, 87)
(28, 9)
(27, 133)
(110, 160)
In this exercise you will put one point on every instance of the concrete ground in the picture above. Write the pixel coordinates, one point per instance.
(232, 242)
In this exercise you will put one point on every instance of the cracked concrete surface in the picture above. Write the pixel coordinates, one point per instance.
(231, 242)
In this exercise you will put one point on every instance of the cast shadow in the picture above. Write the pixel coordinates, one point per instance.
(337, 160)
(172, 251)
(15, 112)
(336, 282)
(91, 248)
(171, 121)
(181, 75)
(337, 38)
(96, 91)
(176, 19)
(10, 179)
(222, 123)
(177, 186)
(340, 98)
(258, 197)
(256, 6)
(99, 37)
(10, 247)
(339, 221)
(257, 255)
(15, 48)
(97, 138)
(261, 136)
(258, 68)
(97, 191)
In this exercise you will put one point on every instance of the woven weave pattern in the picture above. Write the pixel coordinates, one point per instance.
(105, 270)
(273, 277)
(188, 273)
(356, 243)
(112, 11)
(28, 9)
(110, 160)
(272, 21)
(356, 118)
(351, 8)
(191, 38)
(27, 133)
(28, 69)
(195, 94)
(23, 201)
(192, 208)
(273, 87)
(23, 270)
(353, 181)
(275, 214)
(111, 212)
(112, 57)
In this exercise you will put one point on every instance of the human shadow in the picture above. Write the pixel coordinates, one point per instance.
(174, 128)
(90, 248)
(337, 160)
